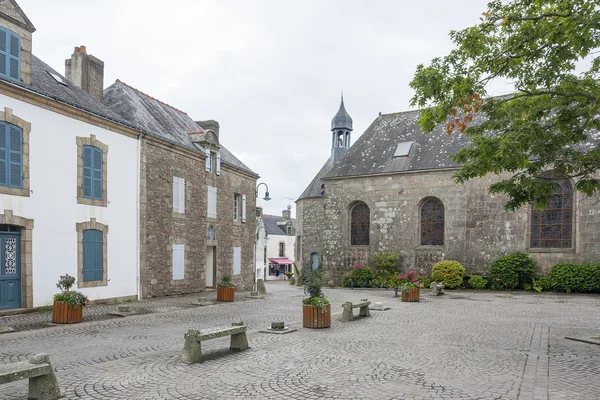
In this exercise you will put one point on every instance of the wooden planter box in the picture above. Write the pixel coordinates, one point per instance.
(316, 317)
(63, 313)
(225, 293)
(412, 295)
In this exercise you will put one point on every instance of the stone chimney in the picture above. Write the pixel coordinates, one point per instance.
(210, 125)
(86, 72)
(259, 212)
(287, 214)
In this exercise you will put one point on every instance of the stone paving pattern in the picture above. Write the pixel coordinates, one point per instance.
(463, 345)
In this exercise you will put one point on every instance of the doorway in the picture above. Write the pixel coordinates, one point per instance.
(211, 266)
(10, 267)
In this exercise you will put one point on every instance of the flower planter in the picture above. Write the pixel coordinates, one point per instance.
(225, 293)
(411, 295)
(316, 317)
(64, 313)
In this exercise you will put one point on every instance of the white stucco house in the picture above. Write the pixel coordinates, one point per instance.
(68, 177)
(280, 246)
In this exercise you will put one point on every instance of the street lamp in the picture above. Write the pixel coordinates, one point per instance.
(266, 198)
(255, 263)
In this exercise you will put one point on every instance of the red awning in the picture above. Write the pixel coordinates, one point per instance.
(280, 261)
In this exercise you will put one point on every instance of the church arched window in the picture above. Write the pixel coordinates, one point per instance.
(432, 222)
(553, 226)
(360, 222)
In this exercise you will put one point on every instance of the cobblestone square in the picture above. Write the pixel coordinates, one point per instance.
(463, 345)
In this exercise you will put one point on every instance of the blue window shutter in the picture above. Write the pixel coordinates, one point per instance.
(14, 58)
(3, 52)
(3, 155)
(93, 269)
(16, 156)
(87, 171)
(97, 173)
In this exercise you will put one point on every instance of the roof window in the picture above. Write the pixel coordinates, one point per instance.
(403, 149)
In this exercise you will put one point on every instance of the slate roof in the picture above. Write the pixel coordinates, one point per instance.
(272, 228)
(314, 187)
(159, 119)
(342, 119)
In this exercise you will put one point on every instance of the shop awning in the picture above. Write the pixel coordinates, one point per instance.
(280, 260)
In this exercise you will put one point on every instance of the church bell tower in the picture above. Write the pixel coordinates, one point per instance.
(341, 128)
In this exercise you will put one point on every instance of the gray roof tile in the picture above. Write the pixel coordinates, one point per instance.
(273, 228)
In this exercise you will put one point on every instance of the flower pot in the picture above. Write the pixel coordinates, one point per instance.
(225, 293)
(411, 295)
(64, 313)
(316, 317)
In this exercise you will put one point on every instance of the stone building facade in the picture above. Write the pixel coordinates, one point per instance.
(399, 182)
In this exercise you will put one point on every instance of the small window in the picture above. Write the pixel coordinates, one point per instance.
(211, 233)
(236, 206)
(360, 225)
(178, 195)
(314, 257)
(178, 262)
(289, 231)
(212, 202)
(92, 173)
(11, 155)
(403, 149)
(92, 255)
(10, 54)
(237, 260)
(281, 249)
(265, 256)
(432, 223)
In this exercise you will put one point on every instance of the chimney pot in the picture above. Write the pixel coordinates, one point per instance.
(86, 72)
(82, 49)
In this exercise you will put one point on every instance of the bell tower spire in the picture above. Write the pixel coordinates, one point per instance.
(341, 128)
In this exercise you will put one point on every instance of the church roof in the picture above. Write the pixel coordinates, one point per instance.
(314, 188)
(342, 119)
(159, 119)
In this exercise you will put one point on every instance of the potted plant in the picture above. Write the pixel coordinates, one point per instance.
(68, 304)
(316, 310)
(410, 286)
(225, 289)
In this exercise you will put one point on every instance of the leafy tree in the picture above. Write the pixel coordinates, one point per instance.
(550, 120)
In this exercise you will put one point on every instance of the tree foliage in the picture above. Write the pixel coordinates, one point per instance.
(551, 119)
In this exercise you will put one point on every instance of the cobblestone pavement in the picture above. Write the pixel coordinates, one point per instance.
(464, 345)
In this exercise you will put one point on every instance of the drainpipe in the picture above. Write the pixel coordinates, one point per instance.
(138, 224)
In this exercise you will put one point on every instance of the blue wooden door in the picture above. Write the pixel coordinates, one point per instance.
(10, 271)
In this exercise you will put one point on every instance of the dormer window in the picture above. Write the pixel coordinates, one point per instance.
(10, 54)
(403, 149)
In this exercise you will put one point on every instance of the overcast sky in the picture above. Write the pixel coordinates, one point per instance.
(269, 71)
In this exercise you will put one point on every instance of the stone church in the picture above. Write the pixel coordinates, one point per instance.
(393, 190)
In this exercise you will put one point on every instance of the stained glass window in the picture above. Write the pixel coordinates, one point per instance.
(432, 223)
(553, 227)
(359, 225)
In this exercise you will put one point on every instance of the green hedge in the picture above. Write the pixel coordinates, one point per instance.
(477, 282)
(575, 278)
(513, 271)
(450, 273)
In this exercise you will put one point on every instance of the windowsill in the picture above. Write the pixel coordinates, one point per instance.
(359, 246)
(89, 284)
(548, 250)
(92, 202)
(14, 191)
(178, 281)
(430, 247)
(178, 214)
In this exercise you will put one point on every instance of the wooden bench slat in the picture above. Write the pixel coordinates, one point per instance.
(22, 370)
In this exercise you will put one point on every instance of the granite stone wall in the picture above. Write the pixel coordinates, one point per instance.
(477, 228)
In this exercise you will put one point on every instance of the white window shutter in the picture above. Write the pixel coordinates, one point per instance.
(175, 194)
(212, 202)
(178, 262)
(237, 260)
(182, 195)
(244, 208)
(218, 163)
(208, 161)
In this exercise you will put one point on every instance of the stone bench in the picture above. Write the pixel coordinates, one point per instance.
(192, 349)
(437, 289)
(348, 314)
(42, 381)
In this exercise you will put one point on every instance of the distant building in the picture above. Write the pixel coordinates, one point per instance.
(393, 190)
(280, 244)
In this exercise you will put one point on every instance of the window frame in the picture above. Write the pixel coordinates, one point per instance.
(236, 207)
(9, 57)
(7, 117)
(93, 225)
(351, 240)
(93, 142)
(572, 225)
(424, 202)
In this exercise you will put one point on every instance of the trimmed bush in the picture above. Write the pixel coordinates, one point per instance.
(575, 278)
(450, 273)
(513, 271)
(477, 282)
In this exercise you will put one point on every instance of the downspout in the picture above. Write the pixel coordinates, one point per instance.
(138, 213)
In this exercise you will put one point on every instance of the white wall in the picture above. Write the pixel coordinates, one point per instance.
(273, 250)
(53, 202)
(260, 249)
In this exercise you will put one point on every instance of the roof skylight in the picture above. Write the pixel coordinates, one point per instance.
(57, 78)
(403, 149)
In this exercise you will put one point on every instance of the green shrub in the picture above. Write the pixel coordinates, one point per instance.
(425, 281)
(575, 278)
(477, 282)
(512, 271)
(542, 283)
(346, 281)
(386, 265)
(361, 276)
(450, 273)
